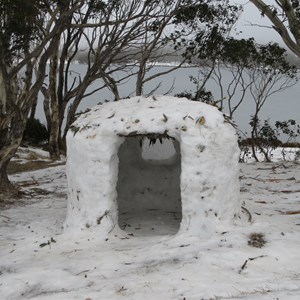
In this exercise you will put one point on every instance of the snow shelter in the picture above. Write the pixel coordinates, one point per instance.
(109, 177)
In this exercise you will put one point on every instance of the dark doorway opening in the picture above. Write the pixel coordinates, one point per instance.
(149, 197)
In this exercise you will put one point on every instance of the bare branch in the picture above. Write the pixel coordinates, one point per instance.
(291, 38)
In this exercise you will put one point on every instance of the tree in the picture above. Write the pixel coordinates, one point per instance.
(259, 70)
(285, 18)
(214, 51)
(62, 84)
(207, 25)
(109, 31)
(28, 35)
(122, 38)
(233, 58)
(272, 74)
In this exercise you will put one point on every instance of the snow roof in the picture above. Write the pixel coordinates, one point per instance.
(209, 182)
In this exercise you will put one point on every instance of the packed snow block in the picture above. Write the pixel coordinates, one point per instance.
(208, 165)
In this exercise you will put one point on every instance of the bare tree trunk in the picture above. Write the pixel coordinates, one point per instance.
(4, 181)
(290, 33)
(12, 125)
(54, 150)
(254, 139)
(10, 140)
(33, 109)
(140, 78)
(266, 155)
(46, 102)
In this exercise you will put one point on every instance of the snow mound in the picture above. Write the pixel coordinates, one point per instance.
(207, 164)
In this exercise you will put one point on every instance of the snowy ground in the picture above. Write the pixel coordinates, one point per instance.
(39, 262)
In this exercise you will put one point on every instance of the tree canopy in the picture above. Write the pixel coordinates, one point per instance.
(20, 24)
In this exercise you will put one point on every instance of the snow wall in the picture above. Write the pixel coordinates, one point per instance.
(209, 171)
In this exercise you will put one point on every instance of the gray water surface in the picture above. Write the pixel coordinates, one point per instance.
(279, 107)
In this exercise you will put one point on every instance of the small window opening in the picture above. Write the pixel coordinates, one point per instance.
(149, 197)
(158, 150)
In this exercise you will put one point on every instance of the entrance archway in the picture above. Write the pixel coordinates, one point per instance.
(148, 188)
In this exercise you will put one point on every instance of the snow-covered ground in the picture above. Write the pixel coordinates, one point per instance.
(39, 262)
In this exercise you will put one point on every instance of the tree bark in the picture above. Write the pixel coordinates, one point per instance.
(54, 148)
(54, 137)
(10, 140)
(33, 109)
(12, 125)
(6, 187)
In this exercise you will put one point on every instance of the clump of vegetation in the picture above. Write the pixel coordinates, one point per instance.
(256, 240)
(266, 138)
(35, 133)
(297, 156)
(244, 144)
(200, 95)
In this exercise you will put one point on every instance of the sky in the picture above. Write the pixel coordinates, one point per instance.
(251, 15)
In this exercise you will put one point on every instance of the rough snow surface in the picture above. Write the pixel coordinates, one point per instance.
(153, 267)
(24, 154)
(209, 186)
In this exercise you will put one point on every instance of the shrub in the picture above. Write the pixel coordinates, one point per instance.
(35, 132)
(297, 156)
(200, 95)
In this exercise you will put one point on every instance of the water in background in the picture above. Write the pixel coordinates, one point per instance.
(279, 107)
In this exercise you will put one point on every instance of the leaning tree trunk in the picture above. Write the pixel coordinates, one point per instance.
(9, 128)
(53, 124)
(54, 132)
(254, 137)
(33, 109)
(5, 184)
(11, 133)
(54, 149)
(15, 104)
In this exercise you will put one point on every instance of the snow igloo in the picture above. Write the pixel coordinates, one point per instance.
(115, 182)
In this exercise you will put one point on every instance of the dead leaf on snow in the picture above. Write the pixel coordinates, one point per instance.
(296, 212)
(201, 121)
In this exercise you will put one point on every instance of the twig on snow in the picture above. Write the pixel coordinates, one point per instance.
(8, 218)
(249, 214)
(246, 261)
